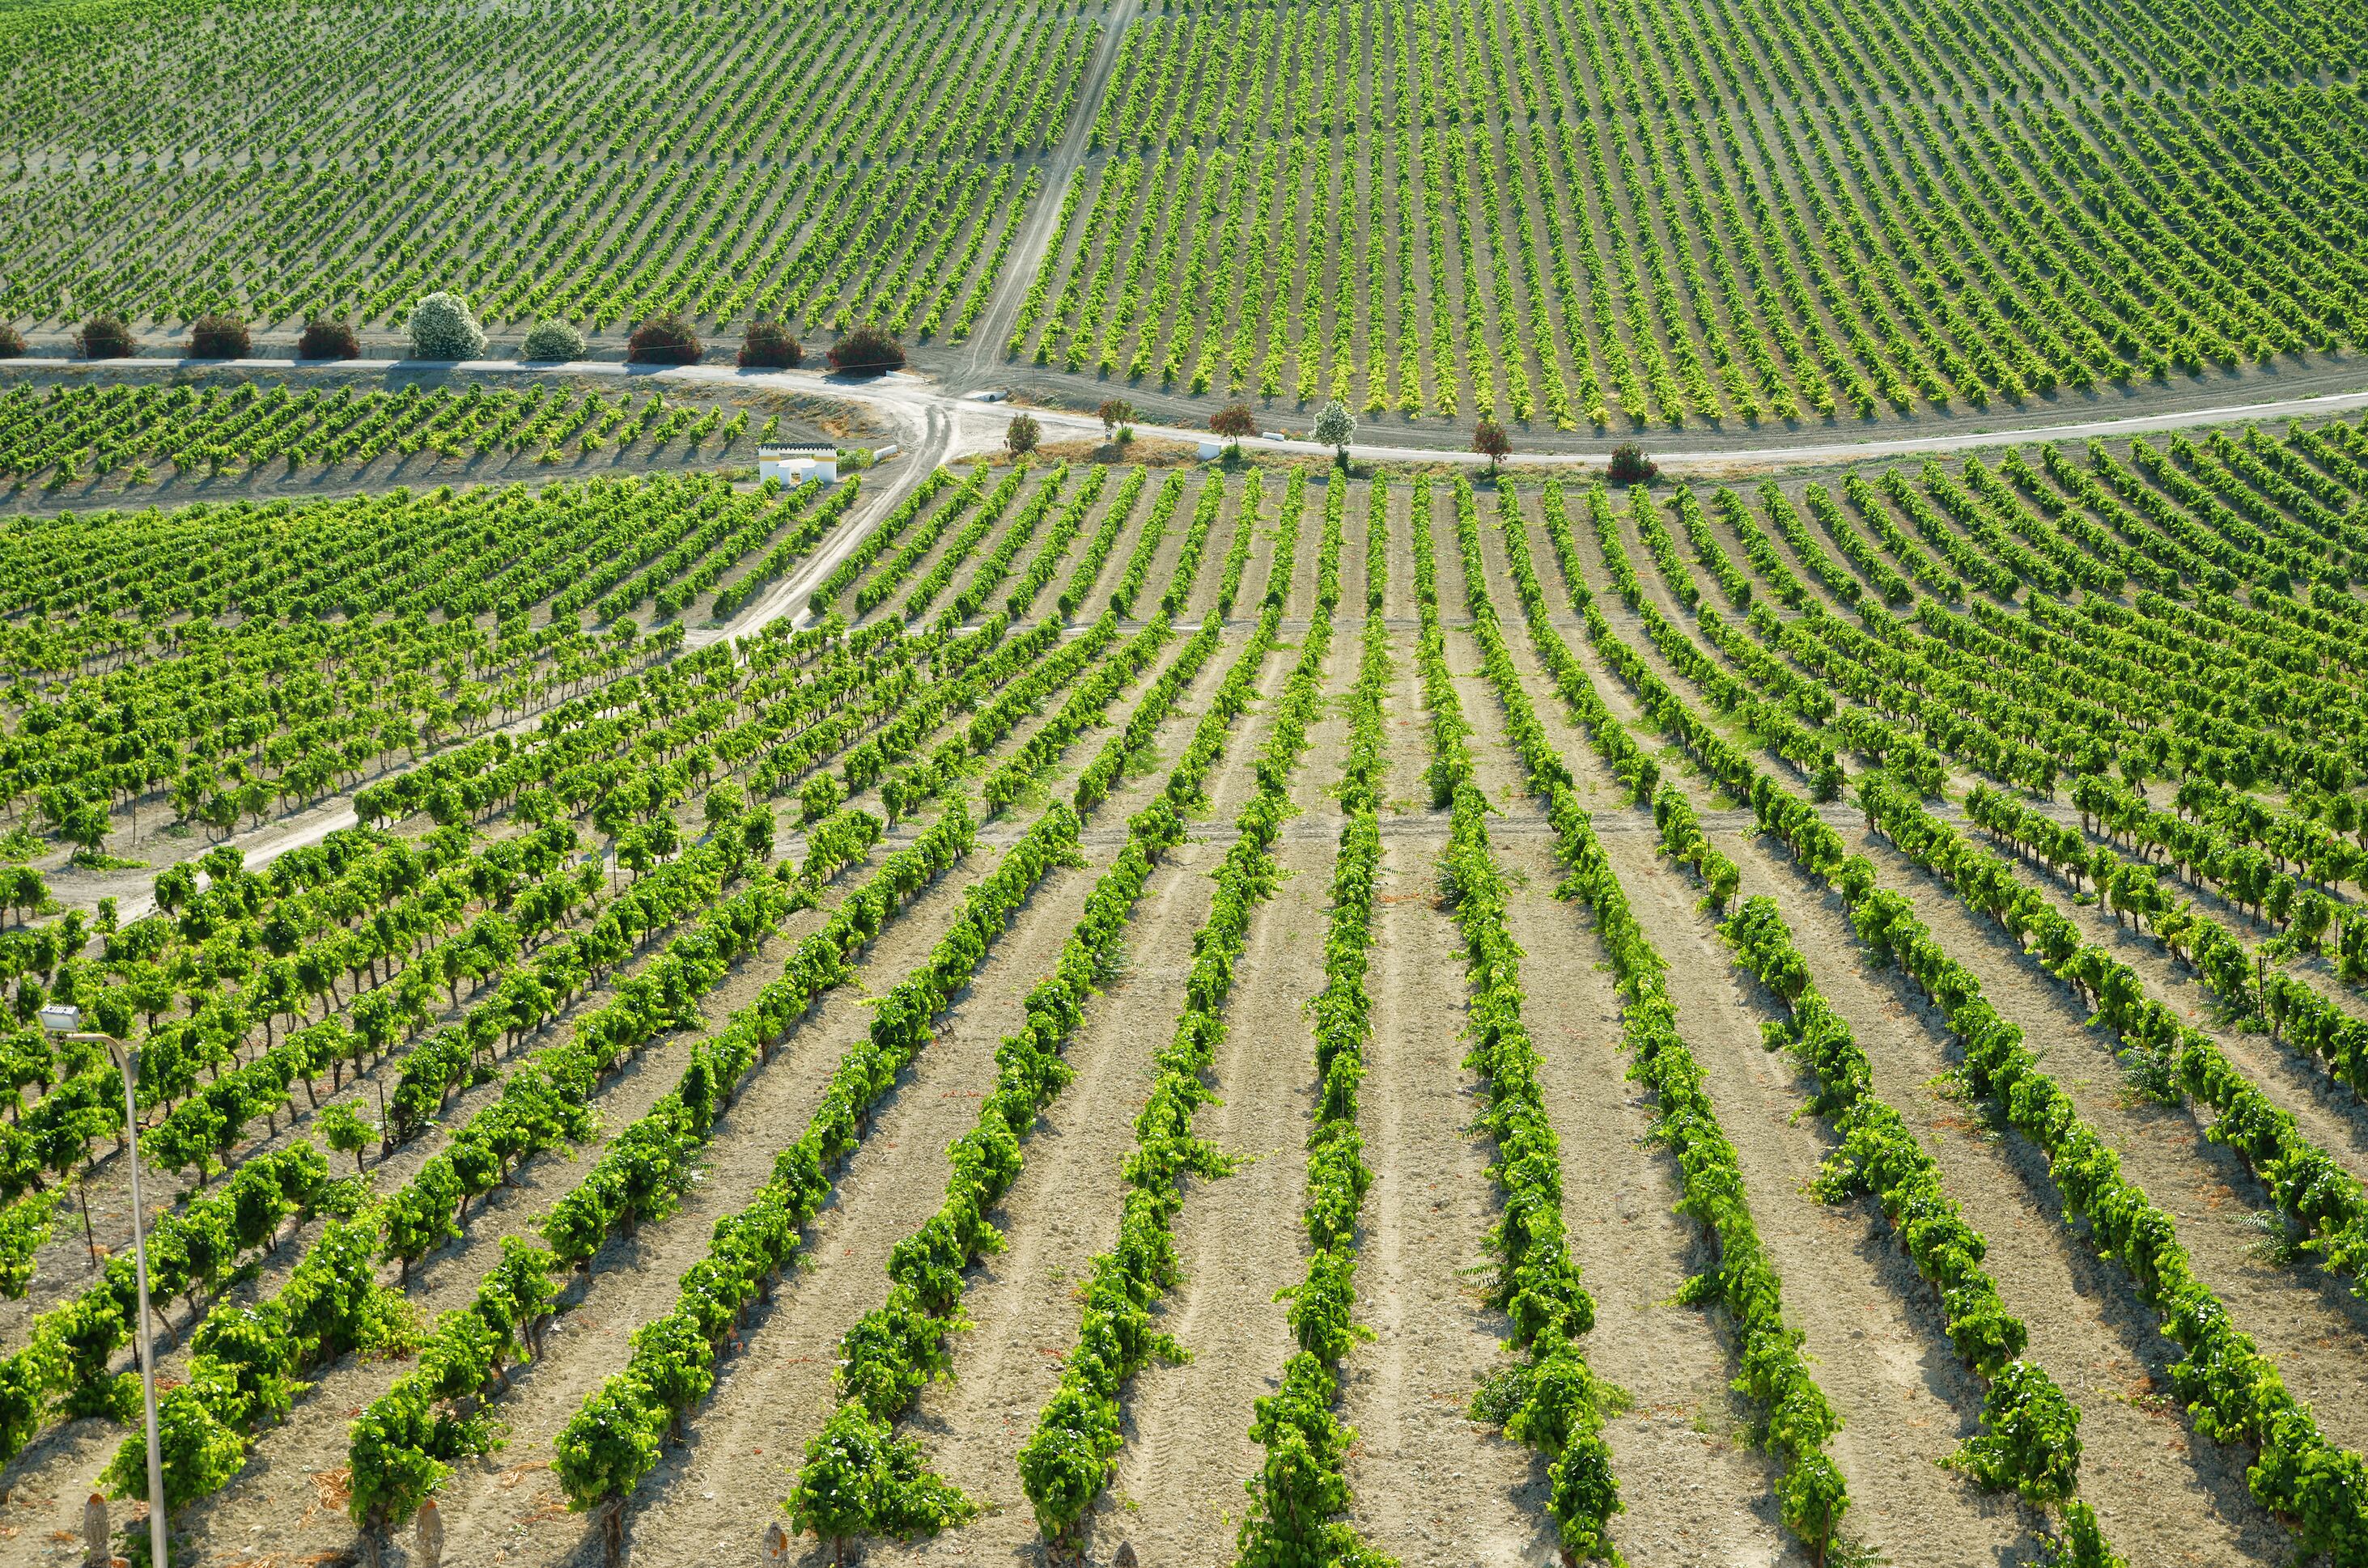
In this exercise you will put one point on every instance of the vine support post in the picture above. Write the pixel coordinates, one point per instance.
(65, 1022)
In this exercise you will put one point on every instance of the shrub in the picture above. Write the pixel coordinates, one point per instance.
(107, 338)
(769, 346)
(553, 340)
(666, 340)
(867, 351)
(12, 341)
(217, 336)
(1631, 466)
(1021, 436)
(327, 340)
(442, 328)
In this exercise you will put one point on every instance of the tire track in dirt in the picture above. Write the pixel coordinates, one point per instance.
(1694, 1488)
(1223, 534)
(927, 437)
(1020, 268)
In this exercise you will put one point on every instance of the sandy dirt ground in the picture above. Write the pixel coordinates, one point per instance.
(1429, 1485)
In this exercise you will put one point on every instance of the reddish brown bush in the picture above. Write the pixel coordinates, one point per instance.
(769, 346)
(217, 336)
(1631, 466)
(867, 351)
(107, 338)
(663, 340)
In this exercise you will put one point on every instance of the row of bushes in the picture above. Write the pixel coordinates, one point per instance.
(401, 1449)
(1798, 1421)
(2030, 1441)
(858, 1478)
(1300, 1492)
(441, 327)
(1069, 1458)
(1549, 1399)
(2231, 1393)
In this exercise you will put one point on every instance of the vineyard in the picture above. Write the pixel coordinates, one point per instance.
(1582, 213)
(816, 162)
(1573, 215)
(1264, 1015)
(64, 445)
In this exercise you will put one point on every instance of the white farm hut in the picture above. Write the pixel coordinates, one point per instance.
(793, 465)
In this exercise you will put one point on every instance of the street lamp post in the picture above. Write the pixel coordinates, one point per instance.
(65, 1022)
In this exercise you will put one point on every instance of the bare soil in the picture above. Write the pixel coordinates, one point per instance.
(1429, 1485)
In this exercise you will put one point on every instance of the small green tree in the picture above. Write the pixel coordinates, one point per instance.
(442, 327)
(840, 1482)
(725, 803)
(200, 1454)
(393, 1470)
(24, 1226)
(604, 1452)
(1336, 427)
(84, 824)
(676, 1362)
(822, 795)
(859, 1479)
(756, 830)
(1023, 435)
(419, 1219)
(552, 341)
